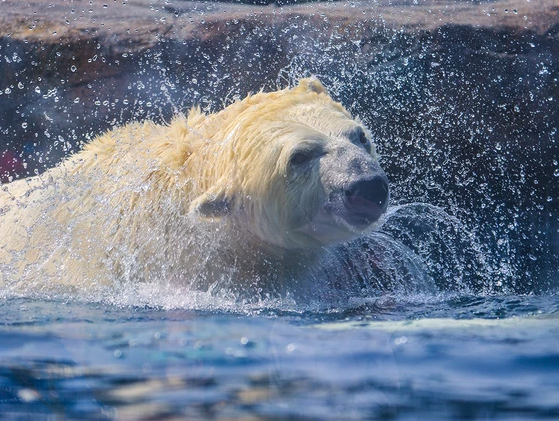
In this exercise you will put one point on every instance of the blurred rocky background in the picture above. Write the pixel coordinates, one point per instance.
(461, 95)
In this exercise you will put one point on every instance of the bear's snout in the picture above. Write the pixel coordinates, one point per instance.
(367, 200)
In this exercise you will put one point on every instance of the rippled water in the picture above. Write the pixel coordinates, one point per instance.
(446, 357)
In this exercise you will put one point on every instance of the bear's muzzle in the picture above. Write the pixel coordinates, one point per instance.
(366, 200)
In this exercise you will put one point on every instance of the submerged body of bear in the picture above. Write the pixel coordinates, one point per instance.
(251, 196)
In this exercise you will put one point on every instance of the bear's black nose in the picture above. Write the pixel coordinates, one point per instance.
(367, 199)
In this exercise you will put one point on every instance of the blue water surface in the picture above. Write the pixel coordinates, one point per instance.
(446, 357)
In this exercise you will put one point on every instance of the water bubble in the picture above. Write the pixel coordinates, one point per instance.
(401, 340)
(556, 172)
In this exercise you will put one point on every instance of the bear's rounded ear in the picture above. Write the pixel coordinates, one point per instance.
(211, 205)
(312, 85)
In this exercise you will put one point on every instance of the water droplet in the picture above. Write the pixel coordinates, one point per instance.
(73, 68)
(20, 85)
(24, 125)
(556, 172)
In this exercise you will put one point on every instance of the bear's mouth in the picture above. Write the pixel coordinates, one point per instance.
(348, 213)
(365, 200)
(344, 216)
(360, 212)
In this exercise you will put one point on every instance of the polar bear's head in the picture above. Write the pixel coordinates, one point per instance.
(298, 171)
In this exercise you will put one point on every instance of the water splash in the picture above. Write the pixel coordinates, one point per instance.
(418, 252)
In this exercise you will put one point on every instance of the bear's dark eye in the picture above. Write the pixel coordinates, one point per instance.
(359, 138)
(300, 158)
(363, 139)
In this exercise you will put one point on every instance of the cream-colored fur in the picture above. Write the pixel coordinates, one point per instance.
(204, 198)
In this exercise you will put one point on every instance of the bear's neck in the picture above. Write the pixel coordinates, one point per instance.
(275, 270)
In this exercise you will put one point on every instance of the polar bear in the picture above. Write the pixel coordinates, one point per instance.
(251, 196)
